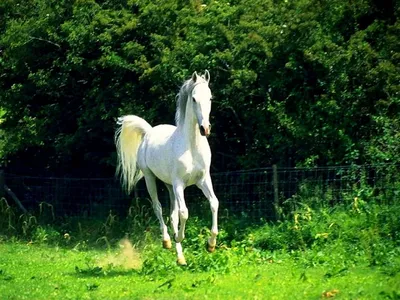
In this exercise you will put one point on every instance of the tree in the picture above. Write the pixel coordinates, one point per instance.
(296, 83)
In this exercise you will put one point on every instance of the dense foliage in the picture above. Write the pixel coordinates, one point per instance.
(305, 82)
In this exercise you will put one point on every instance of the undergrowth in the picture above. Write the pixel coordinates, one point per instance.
(353, 233)
(349, 234)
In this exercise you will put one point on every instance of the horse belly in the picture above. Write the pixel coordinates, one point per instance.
(156, 153)
(161, 171)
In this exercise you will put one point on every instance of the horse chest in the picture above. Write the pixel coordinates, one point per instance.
(192, 168)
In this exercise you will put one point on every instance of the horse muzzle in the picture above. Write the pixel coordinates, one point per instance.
(205, 131)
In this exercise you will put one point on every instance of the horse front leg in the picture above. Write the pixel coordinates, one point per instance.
(208, 191)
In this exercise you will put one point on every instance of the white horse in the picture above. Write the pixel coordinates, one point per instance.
(179, 156)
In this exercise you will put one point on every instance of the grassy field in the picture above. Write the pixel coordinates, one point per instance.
(345, 252)
(40, 272)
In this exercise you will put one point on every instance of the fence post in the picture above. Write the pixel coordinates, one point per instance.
(276, 191)
(2, 182)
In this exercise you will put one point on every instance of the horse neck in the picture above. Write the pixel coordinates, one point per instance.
(190, 130)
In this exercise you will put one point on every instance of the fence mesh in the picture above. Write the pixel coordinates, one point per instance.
(251, 192)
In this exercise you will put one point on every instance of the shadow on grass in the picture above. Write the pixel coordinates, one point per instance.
(102, 272)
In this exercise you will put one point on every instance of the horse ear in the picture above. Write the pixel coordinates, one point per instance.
(194, 76)
(207, 76)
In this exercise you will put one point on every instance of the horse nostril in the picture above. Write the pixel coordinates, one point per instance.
(202, 130)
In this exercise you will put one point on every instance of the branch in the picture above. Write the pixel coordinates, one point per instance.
(15, 198)
(235, 114)
(43, 40)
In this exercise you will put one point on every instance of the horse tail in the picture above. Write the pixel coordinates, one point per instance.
(128, 138)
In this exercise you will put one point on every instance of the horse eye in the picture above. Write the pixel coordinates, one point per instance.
(194, 99)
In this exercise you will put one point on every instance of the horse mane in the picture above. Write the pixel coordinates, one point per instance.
(183, 96)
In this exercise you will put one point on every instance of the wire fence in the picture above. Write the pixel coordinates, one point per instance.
(260, 194)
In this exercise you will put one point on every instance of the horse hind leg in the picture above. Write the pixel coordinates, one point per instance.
(175, 223)
(182, 211)
(152, 189)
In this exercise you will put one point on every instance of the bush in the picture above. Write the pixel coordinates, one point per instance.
(369, 235)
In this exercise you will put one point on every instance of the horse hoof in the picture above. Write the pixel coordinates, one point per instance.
(210, 249)
(167, 244)
(181, 261)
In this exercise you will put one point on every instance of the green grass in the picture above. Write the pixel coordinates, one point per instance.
(350, 251)
(29, 271)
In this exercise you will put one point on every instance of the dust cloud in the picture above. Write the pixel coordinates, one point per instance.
(128, 257)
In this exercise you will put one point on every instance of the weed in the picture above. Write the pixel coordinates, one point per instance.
(28, 224)
(92, 286)
(45, 234)
(7, 216)
(110, 222)
(46, 212)
(105, 239)
(4, 276)
(90, 270)
(394, 295)
(140, 217)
